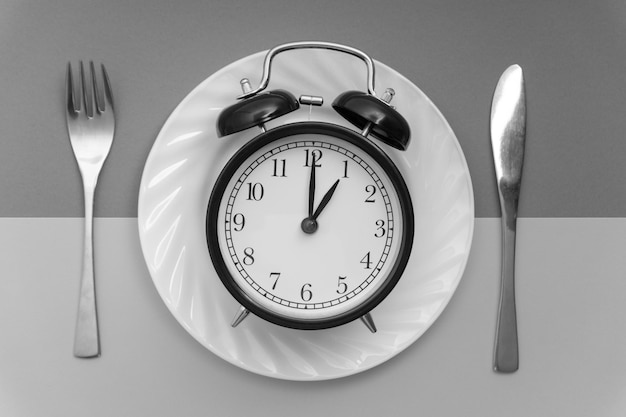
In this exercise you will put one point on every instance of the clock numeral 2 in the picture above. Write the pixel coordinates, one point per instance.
(371, 189)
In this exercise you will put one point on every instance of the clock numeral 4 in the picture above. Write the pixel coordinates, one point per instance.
(367, 261)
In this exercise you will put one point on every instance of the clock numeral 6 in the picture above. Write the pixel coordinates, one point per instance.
(255, 191)
(305, 292)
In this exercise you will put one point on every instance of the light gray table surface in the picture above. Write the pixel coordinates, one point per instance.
(572, 210)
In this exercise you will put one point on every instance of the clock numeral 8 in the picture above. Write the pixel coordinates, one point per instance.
(248, 259)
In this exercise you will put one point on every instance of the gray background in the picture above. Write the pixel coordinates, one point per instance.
(156, 52)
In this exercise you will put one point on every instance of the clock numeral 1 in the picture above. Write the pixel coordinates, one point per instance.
(280, 167)
(345, 169)
(255, 191)
(367, 261)
(275, 276)
(305, 292)
(342, 286)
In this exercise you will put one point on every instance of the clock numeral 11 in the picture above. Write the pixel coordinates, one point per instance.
(280, 168)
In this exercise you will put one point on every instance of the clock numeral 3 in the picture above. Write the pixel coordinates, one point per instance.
(380, 231)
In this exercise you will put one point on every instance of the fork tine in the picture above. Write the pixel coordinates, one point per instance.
(108, 95)
(73, 106)
(97, 91)
(87, 91)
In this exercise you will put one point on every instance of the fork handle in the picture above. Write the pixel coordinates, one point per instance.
(86, 337)
(506, 356)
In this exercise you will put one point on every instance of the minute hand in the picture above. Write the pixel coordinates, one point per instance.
(324, 201)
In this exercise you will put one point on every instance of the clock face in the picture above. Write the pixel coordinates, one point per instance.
(310, 225)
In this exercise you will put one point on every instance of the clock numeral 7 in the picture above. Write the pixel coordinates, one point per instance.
(275, 276)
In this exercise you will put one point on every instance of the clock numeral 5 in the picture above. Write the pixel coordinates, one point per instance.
(342, 286)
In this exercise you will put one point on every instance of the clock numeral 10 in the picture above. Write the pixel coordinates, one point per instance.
(255, 191)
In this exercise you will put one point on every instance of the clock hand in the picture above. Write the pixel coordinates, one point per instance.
(325, 200)
(312, 188)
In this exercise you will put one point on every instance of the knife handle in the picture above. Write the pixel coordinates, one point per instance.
(506, 356)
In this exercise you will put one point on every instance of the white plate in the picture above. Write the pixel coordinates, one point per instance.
(187, 157)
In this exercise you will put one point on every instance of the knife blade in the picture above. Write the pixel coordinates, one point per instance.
(508, 136)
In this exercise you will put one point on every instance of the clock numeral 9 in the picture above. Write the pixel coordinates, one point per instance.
(239, 220)
(305, 292)
(255, 191)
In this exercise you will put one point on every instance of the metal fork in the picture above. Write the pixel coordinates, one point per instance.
(91, 126)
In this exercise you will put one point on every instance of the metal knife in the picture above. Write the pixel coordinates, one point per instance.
(508, 135)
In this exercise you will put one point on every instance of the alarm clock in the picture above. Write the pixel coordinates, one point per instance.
(310, 224)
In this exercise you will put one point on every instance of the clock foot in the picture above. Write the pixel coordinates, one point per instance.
(240, 316)
(369, 322)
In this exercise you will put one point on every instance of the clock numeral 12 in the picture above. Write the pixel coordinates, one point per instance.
(313, 155)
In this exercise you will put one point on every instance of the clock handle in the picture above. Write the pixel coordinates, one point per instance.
(267, 64)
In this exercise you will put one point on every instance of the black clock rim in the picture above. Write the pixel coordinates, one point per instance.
(268, 137)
